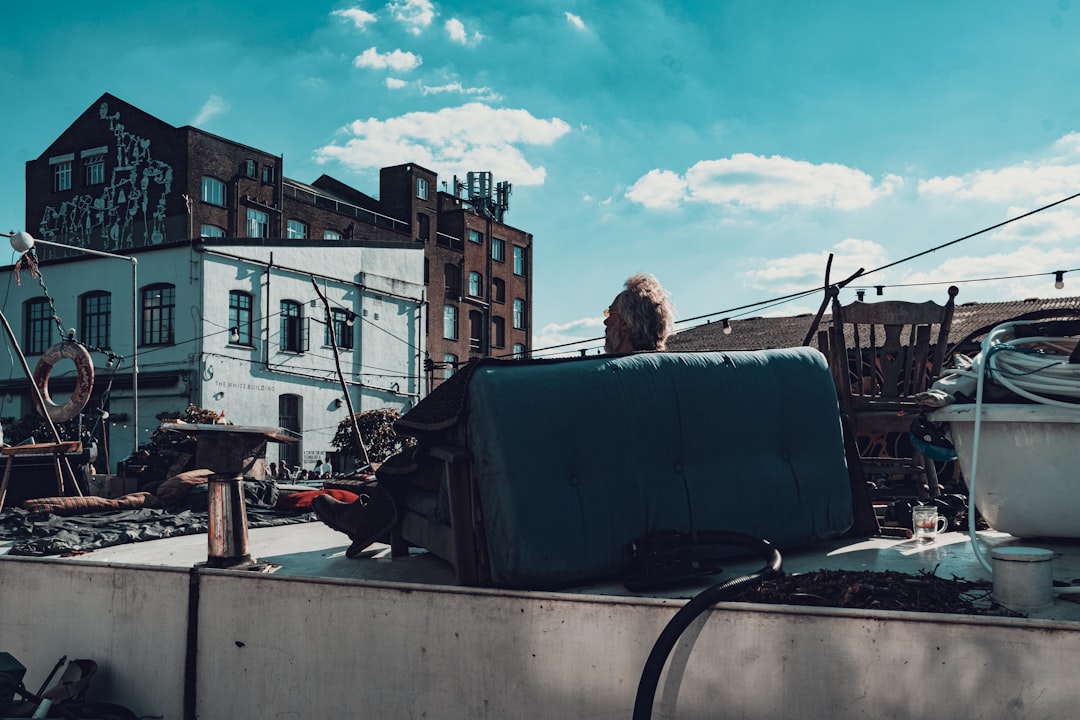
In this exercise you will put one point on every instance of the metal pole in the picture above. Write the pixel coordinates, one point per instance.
(134, 322)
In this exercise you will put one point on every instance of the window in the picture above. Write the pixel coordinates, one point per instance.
(449, 365)
(158, 313)
(519, 313)
(423, 227)
(519, 261)
(498, 290)
(62, 176)
(422, 188)
(37, 326)
(449, 322)
(342, 322)
(289, 416)
(258, 223)
(498, 250)
(295, 230)
(519, 350)
(452, 278)
(211, 231)
(292, 327)
(498, 332)
(250, 168)
(331, 235)
(94, 318)
(240, 317)
(268, 175)
(476, 330)
(476, 285)
(213, 191)
(476, 236)
(95, 170)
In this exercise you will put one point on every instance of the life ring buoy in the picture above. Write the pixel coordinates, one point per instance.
(84, 382)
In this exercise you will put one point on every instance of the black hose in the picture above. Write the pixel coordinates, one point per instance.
(654, 665)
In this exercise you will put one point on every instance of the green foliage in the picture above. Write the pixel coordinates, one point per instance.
(377, 430)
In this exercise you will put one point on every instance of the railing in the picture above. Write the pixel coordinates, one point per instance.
(358, 213)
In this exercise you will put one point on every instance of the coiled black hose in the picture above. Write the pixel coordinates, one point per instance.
(654, 665)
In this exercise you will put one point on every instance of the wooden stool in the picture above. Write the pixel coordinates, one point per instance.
(56, 451)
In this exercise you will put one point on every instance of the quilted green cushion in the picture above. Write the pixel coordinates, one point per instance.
(576, 459)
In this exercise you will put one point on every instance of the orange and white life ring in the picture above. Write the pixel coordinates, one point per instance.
(84, 382)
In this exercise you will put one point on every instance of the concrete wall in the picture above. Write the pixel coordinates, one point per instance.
(282, 647)
(131, 620)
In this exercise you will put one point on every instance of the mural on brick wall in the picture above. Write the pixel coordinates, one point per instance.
(129, 212)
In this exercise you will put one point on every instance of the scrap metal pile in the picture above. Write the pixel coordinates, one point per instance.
(881, 590)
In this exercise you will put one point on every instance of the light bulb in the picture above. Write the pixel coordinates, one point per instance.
(1059, 279)
(235, 334)
(22, 241)
(727, 326)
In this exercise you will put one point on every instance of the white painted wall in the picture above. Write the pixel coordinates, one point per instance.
(381, 283)
(285, 647)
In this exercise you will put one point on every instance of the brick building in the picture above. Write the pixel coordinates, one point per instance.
(451, 279)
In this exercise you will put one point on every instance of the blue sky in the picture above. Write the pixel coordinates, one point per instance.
(725, 146)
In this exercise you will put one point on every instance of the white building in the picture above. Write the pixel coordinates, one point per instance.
(233, 325)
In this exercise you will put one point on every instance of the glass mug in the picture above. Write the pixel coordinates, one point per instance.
(926, 523)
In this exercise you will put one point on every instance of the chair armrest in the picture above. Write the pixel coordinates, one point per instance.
(449, 454)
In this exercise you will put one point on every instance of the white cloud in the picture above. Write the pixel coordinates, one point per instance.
(658, 190)
(415, 15)
(450, 141)
(559, 334)
(575, 20)
(763, 183)
(795, 273)
(214, 105)
(455, 30)
(360, 19)
(397, 60)
(1025, 272)
(395, 83)
(1040, 181)
(483, 93)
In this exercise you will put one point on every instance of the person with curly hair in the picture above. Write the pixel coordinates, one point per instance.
(640, 319)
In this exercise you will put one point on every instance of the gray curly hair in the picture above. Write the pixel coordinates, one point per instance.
(646, 309)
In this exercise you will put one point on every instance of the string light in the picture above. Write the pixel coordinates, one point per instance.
(880, 289)
(1059, 279)
(860, 294)
(727, 326)
(235, 334)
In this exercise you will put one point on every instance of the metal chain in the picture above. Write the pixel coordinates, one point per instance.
(35, 271)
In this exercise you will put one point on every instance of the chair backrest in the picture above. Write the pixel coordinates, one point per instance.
(883, 353)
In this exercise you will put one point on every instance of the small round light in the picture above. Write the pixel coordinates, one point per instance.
(22, 241)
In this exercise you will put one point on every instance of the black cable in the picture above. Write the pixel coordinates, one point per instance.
(654, 665)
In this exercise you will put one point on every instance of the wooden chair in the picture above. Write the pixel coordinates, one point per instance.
(881, 355)
(58, 452)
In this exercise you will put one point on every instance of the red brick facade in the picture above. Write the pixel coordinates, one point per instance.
(119, 179)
